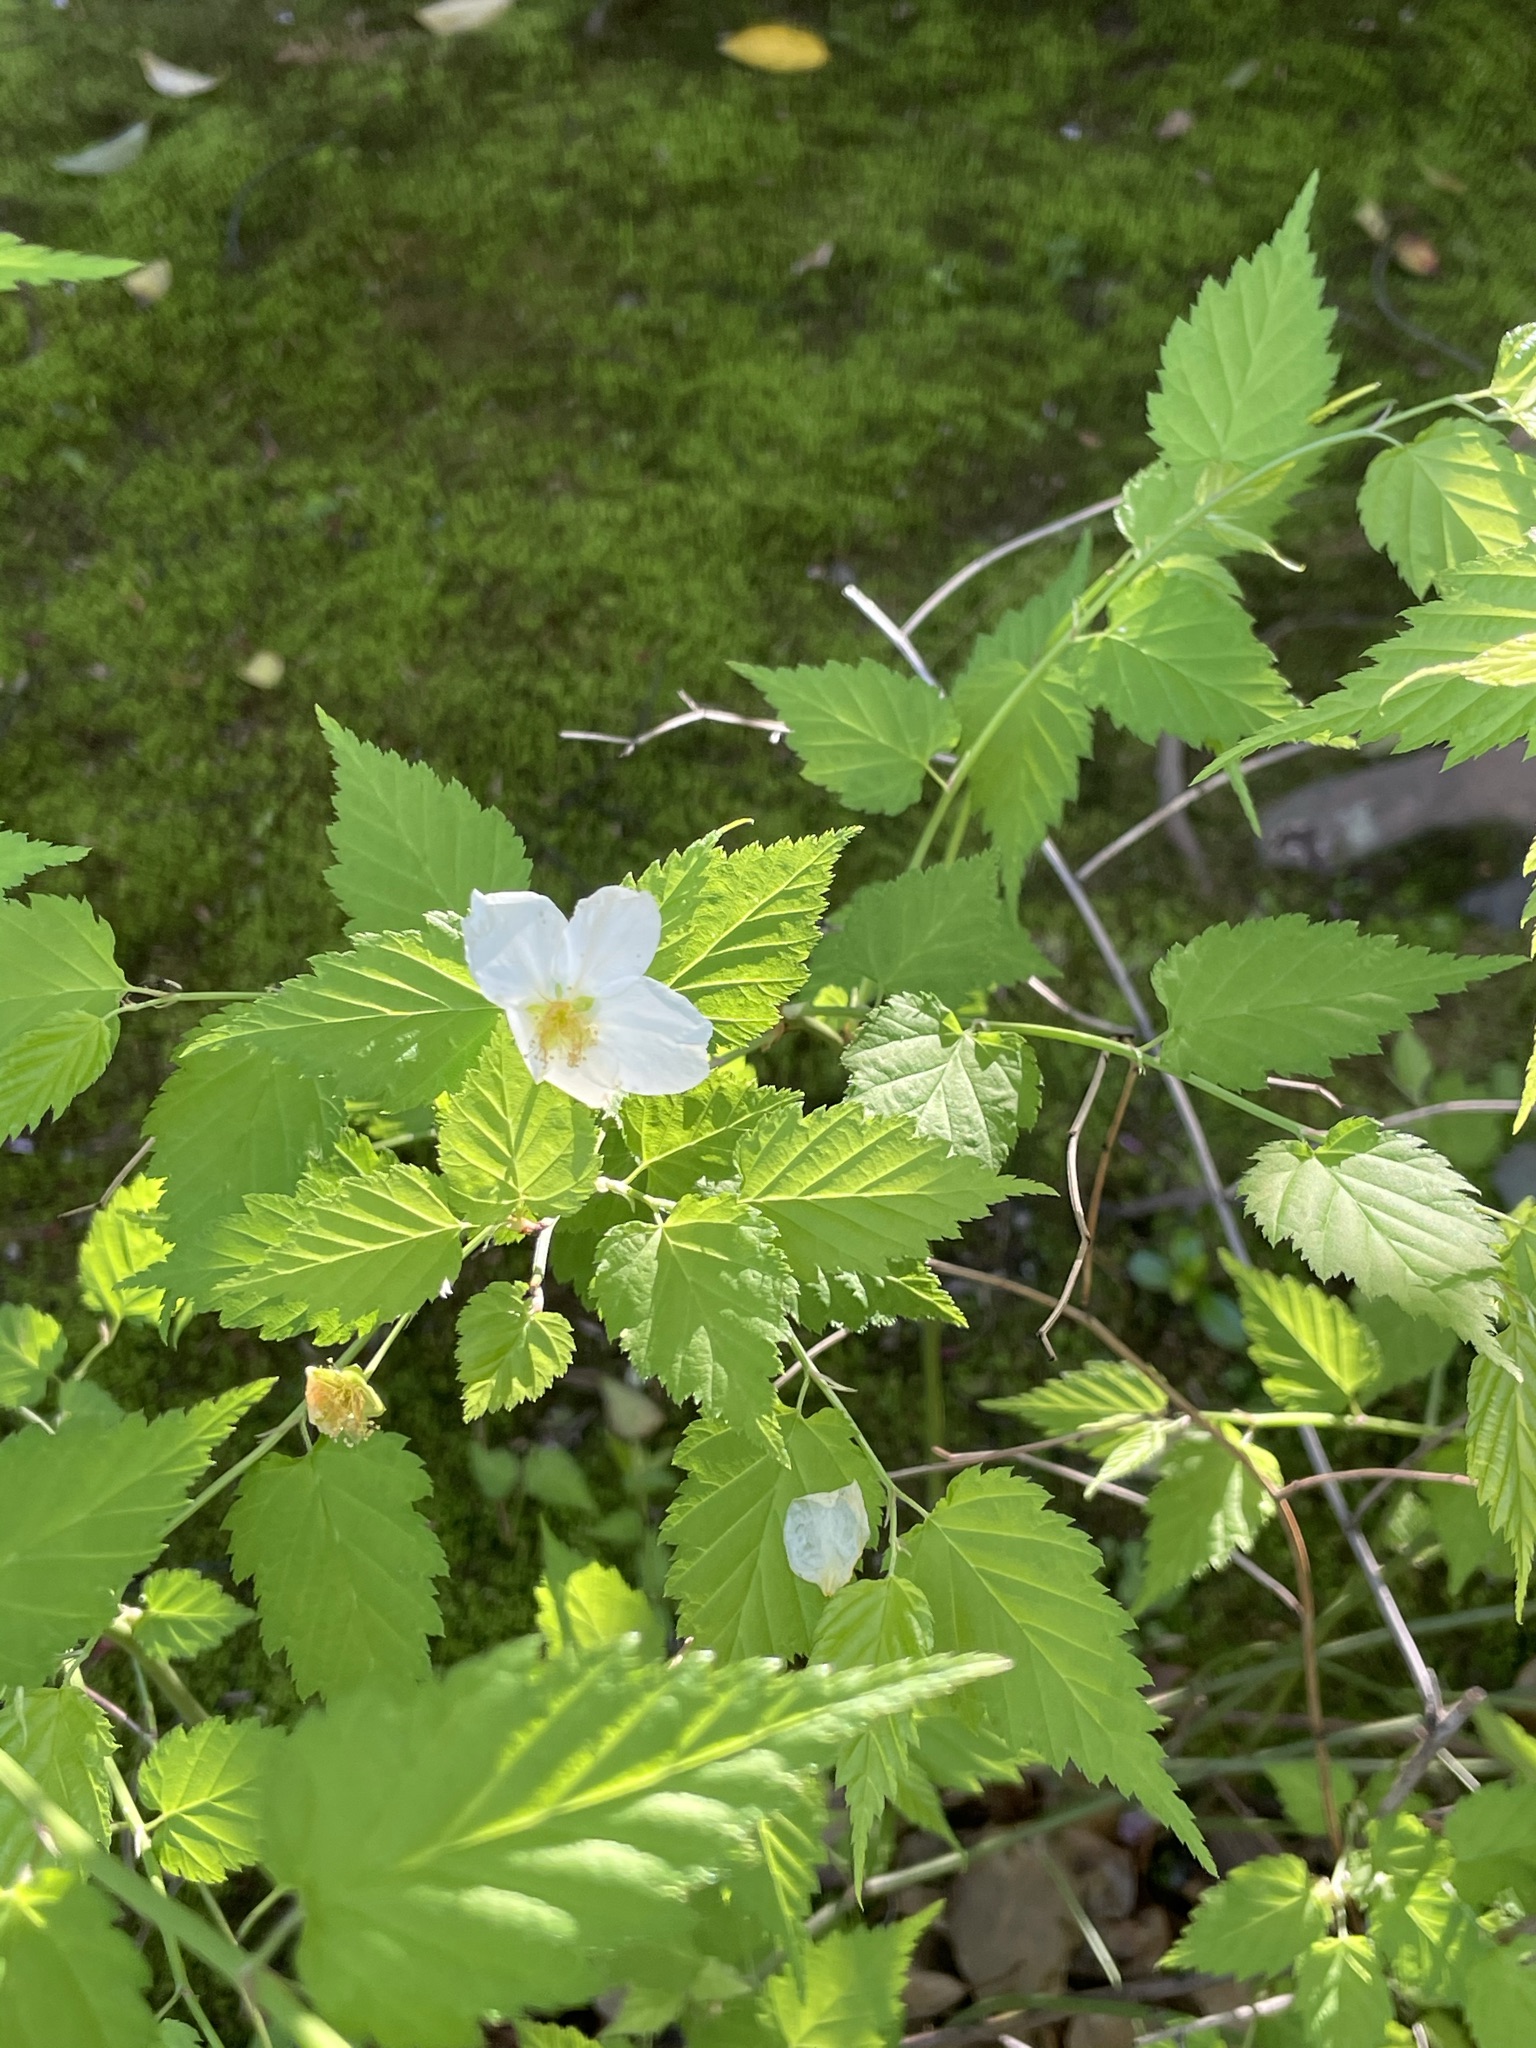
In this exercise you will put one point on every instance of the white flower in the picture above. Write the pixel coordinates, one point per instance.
(825, 1534)
(585, 1014)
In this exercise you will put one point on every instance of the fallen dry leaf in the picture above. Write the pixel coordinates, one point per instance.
(1009, 1927)
(1369, 215)
(173, 81)
(776, 46)
(459, 17)
(818, 259)
(1416, 254)
(927, 1993)
(103, 158)
(265, 669)
(1173, 125)
(148, 285)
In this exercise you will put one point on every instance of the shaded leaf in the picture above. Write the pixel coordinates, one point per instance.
(866, 733)
(971, 1089)
(941, 931)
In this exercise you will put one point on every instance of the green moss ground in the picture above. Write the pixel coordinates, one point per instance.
(516, 415)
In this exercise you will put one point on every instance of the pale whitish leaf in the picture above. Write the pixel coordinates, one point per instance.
(66, 1971)
(343, 1562)
(1206, 1505)
(1312, 1350)
(406, 842)
(1282, 992)
(1387, 1211)
(174, 81)
(24, 263)
(942, 931)
(1461, 1525)
(205, 1784)
(183, 1613)
(19, 855)
(1455, 492)
(1037, 727)
(83, 1510)
(825, 1535)
(1245, 368)
(776, 46)
(1002, 1571)
(543, 1816)
(737, 928)
(460, 17)
(700, 1299)
(32, 1348)
(1255, 1923)
(1181, 656)
(866, 733)
(1342, 1993)
(972, 1089)
(1514, 376)
(861, 1194)
(148, 285)
(1501, 1443)
(735, 1592)
(851, 1993)
(123, 1253)
(103, 158)
(342, 1252)
(62, 1740)
(679, 1140)
(512, 1149)
(1297, 1788)
(508, 1352)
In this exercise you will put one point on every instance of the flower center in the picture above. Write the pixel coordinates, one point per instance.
(562, 1028)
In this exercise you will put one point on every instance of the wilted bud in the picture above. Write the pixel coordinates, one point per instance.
(825, 1534)
(340, 1403)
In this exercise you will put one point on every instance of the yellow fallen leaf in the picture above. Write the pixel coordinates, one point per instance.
(265, 669)
(776, 46)
(148, 284)
(458, 17)
(1416, 254)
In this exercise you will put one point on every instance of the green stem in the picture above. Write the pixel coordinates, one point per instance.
(241, 1465)
(109, 1333)
(1386, 1425)
(161, 999)
(165, 1676)
(957, 830)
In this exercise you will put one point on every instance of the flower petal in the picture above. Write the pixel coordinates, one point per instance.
(654, 1040)
(515, 944)
(614, 936)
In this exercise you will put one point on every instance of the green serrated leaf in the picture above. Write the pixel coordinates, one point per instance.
(205, 1784)
(63, 1964)
(865, 732)
(1255, 1923)
(680, 1140)
(343, 1562)
(730, 1576)
(1342, 1992)
(1205, 1506)
(1410, 1347)
(1313, 1351)
(1456, 491)
(508, 1352)
(847, 1192)
(737, 928)
(1460, 1522)
(32, 1348)
(21, 857)
(121, 1259)
(182, 1613)
(1388, 1211)
(1501, 1444)
(581, 1604)
(1423, 1930)
(1108, 1391)
(342, 1252)
(25, 263)
(851, 1993)
(1004, 1572)
(1513, 387)
(43, 1071)
(1297, 1788)
(1501, 1995)
(62, 1740)
(83, 1510)
(971, 1091)
(857, 1303)
(59, 992)
(513, 1149)
(942, 931)
(407, 842)
(700, 1299)
(1281, 992)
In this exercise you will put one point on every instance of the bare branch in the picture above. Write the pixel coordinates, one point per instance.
(894, 633)
(1075, 1195)
(1484, 1105)
(1193, 795)
(961, 577)
(696, 714)
(1238, 2016)
(1387, 1473)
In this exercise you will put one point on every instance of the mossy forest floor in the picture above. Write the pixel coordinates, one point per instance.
(495, 393)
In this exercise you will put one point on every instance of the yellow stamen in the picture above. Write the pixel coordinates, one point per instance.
(562, 1028)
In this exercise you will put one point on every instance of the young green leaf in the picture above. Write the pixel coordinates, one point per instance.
(59, 993)
(1026, 773)
(1205, 1506)
(182, 1614)
(1456, 491)
(1427, 1934)
(26, 263)
(62, 1740)
(849, 1992)
(63, 1959)
(1513, 387)
(205, 1784)
(406, 842)
(1501, 1995)
(512, 1149)
(1181, 656)
(854, 1302)
(679, 1140)
(122, 1256)
(970, 1089)
(1255, 1923)
(581, 1604)
(508, 1352)
(1301, 1796)
(1283, 992)
(730, 1576)
(1107, 1391)
(32, 1348)
(1385, 1209)
(84, 1509)
(1004, 1572)
(700, 1299)
(1342, 1994)
(1460, 1522)
(1313, 1351)
(343, 1562)
(21, 857)
(342, 1252)
(1501, 1444)
(941, 931)
(866, 733)
(862, 1194)
(737, 928)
